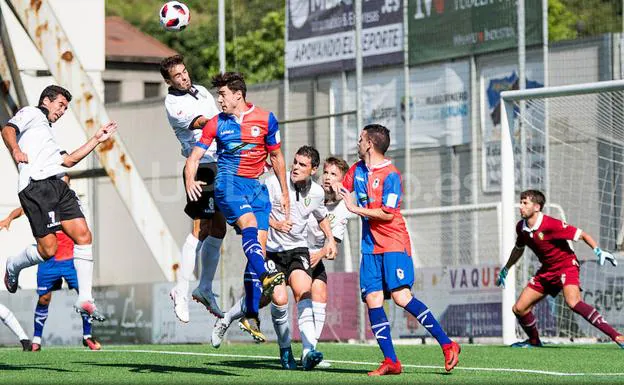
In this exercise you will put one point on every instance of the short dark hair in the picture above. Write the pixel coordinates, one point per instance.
(310, 152)
(379, 135)
(168, 63)
(342, 165)
(52, 91)
(534, 196)
(235, 81)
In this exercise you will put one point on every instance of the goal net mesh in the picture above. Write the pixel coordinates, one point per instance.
(572, 147)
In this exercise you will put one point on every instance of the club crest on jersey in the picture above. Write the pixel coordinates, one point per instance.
(540, 235)
(400, 274)
(331, 218)
(307, 201)
(376, 183)
(255, 131)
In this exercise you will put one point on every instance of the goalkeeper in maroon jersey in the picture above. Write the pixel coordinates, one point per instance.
(549, 239)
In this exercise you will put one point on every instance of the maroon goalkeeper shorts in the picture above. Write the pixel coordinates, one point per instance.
(552, 281)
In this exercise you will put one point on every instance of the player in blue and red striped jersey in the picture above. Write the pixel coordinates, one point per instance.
(549, 238)
(386, 269)
(245, 135)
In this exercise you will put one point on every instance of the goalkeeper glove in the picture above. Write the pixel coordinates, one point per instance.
(604, 256)
(500, 281)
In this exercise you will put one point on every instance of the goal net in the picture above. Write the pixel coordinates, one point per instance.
(569, 142)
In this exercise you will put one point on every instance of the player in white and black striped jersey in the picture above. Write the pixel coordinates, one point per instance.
(189, 106)
(48, 202)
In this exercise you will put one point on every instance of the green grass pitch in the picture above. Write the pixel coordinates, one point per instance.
(258, 364)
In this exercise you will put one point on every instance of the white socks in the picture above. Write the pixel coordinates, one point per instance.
(187, 264)
(279, 315)
(83, 262)
(236, 312)
(306, 325)
(319, 318)
(9, 320)
(26, 258)
(210, 252)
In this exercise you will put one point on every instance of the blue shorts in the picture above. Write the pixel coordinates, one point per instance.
(385, 272)
(237, 195)
(50, 275)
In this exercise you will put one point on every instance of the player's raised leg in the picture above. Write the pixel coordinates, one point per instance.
(572, 295)
(236, 312)
(179, 293)
(32, 255)
(12, 323)
(78, 230)
(212, 232)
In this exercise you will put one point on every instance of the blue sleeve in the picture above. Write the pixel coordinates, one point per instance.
(392, 192)
(273, 140)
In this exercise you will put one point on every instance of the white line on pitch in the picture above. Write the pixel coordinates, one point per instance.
(528, 371)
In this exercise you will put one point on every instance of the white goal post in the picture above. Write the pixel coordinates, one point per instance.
(569, 142)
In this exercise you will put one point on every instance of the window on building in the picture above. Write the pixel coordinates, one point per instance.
(151, 90)
(112, 91)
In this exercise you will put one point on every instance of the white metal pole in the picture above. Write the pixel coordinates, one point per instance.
(522, 86)
(545, 59)
(286, 82)
(359, 119)
(345, 118)
(507, 219)
(474, 151)
(222, 36)
(407, 176)
(358, 65)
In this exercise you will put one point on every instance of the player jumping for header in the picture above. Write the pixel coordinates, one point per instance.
(245, 134)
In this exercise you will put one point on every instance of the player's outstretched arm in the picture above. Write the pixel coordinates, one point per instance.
(6, 222)
(279, 167)
(516, 254)
(102, 135)
(9, 136)
(193, 187)
(601, 255)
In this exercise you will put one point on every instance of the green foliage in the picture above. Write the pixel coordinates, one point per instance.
(254, 35)
(569, 19)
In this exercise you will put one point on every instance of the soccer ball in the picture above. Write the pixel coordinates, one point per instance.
(174, 16)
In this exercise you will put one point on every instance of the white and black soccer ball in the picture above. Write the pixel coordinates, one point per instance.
(174, 16)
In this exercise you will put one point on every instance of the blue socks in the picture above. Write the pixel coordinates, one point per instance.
(253, 251)
(41, 315)
(426, 319)
(86, 325)
(253, 292)
(381, 329)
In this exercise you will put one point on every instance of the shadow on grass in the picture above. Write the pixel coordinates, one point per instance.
(160, 369)
(4, 367)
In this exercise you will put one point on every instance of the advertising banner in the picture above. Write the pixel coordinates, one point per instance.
(445, 29)
(465, 299)
(496, 79)
(321, 35)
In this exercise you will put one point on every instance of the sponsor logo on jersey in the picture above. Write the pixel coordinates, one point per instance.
(227, 132)
(540, 235)
(359, 178)
(563, 278)
(246, 206)
(331, 218)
